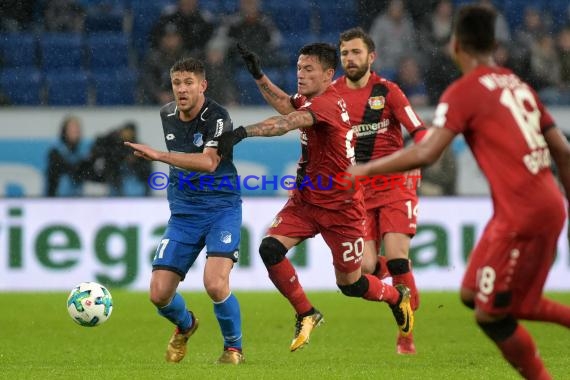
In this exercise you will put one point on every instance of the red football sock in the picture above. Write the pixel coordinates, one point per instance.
(401, 271)
(381, 270)
(520, 351)
(550, 311)
(285, 278)
(380, 291)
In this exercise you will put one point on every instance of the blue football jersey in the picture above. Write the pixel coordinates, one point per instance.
(189, 191)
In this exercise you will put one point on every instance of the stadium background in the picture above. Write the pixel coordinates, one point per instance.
(50, 244)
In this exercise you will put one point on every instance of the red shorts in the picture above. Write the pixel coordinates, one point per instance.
(508, 272)
(398, 216)
(342, 230)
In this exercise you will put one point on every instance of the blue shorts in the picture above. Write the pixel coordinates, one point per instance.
(187, 235)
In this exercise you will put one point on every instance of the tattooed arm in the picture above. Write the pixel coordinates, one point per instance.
(275, 96)
(279, 125)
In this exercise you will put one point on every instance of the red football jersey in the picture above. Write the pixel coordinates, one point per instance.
(327, 149)
(503, 122)
(377, 113)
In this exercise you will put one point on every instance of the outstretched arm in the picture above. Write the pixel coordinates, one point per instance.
(275, 96)
(279, 125)
(273, 126)
(425, 153)
(207, 161)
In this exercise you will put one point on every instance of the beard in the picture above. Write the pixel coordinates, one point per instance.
(355, 76)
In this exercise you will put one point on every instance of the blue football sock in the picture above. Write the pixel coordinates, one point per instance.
(228, 314)
(177, 313)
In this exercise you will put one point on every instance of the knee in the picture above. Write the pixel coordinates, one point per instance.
(160, 299)
(356, 289)
(217, 289)
(499, 330)
(272, 251)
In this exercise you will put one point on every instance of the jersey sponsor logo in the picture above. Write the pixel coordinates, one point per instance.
(226, 237)
(219, 127)
(376, 102)
(170, 136)
(198, 139)
(371, 128)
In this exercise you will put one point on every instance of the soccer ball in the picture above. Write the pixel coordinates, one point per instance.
(90, 304)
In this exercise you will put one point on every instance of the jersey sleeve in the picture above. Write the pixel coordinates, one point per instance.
(450, 113)
(217, 123)
(298, 100)
(323, 110)
(404, 113)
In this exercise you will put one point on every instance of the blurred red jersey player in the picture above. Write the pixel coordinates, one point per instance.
(512, 137)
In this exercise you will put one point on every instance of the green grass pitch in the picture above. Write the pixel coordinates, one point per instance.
(38, 340)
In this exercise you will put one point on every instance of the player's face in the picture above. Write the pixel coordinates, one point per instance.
(188, 89)
(312, 79)
(355, 59)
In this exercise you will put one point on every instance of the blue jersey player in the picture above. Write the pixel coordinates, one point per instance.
(205, 206)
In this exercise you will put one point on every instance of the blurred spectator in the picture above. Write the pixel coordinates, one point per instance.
(16, 15)
(502, 30)
(156, 88)
(394, 36)
(253, 29)
(410, 80)
(532, 27)
(504, 57)
(564, 56)
(221, 84)
(434, 30)
(65, 161)
(64, 16)
(196, 26)
(368, 10)
(441, 71)
(112, 163)
(545, 69)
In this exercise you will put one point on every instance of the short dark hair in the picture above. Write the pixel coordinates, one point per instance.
(474, 28)
(326, 53)
(355, 33)
(190, 64)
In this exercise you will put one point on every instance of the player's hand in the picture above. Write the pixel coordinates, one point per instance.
(413, 178)
(143, 151)
(251, 60)
(228, 139)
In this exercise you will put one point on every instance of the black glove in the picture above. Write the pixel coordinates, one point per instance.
(251, 61)
(227, 140)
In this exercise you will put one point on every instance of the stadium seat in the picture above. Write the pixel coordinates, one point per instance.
(293, 42)
(335, 18)
(97, 22)
(144, 15)
(296, 19)
(23, 86)
(18, 50)
(61, 51)
(249, 94)
(115, 87)
(67, 88)
(107, 50)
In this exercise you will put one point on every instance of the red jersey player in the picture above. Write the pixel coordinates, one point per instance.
(378, 109)
(338, 215)
(512, 137)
